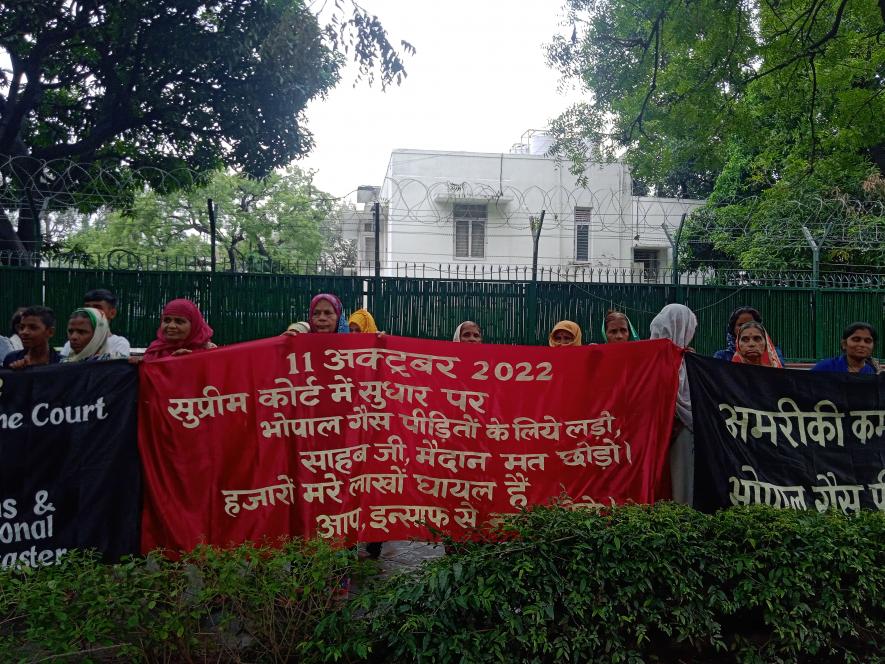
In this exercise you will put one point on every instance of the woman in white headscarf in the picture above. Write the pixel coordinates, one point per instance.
(678, 323)
(468, 332)
(88, 332)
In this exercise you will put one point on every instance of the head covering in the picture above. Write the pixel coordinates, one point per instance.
(568, 326)
(611, 314)
(730, 341)
(301, 327)
(364, 319)
(458, 329)
(769, 355)
(336, 306)
(678, 323)
(98, 345)
(199, 336)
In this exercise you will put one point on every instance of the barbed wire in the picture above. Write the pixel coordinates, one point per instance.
(428, 209)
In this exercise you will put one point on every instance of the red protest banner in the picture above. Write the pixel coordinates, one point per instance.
(359, 437)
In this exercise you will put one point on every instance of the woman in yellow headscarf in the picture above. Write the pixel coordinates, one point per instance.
(565, 333)
(361, 321)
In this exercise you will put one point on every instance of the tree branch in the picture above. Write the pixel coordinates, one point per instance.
(831, 33)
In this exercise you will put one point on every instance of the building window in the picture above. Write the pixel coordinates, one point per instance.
(470, 230)
(370, 249)
(582, 234)
(649, 261)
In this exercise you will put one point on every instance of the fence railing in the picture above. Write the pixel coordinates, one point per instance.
(121, 259)
(805, 321)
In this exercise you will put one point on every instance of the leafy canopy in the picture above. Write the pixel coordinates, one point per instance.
(277, 221)
(112, 85)
(773, 109)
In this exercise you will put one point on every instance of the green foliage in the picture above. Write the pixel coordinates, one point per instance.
(659, 583)
(134, 89)
(246, 604)
(772, 109)
(636, 584)
(278, 219)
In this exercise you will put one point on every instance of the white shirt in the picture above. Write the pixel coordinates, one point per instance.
(117, 345)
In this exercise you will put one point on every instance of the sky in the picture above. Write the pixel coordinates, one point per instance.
(477, 82)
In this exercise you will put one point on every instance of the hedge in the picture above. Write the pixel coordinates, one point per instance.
(244, 604)
(630, 584)
(640, 584)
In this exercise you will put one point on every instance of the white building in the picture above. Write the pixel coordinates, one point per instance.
(476, 210)
(358, 225)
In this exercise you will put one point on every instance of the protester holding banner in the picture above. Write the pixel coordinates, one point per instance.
(301, 327)
(361, 321)
(858, 343)
(14, 339)
(739, 316)
(182, 330)
(326, 315)
(106, 302)
(5, 347)
(565, 333)
(468, 332)
(754, 347)
(89, 337)
(35, 328)
(678, 323)
(617, 328)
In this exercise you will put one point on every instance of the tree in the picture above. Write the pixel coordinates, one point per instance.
(772, 109)
(131, 89)
(271, 222)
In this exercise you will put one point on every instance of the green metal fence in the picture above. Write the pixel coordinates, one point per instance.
(242, 307)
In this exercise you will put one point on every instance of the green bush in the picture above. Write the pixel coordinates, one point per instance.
(631, 584)
(638, 584)
(245, 604)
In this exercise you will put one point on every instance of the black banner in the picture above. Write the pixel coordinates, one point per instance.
(69, 470)
(786, 438)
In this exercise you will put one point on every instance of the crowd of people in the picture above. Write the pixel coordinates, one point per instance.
(182, 329)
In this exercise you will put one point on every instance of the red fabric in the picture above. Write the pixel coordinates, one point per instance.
(192, 452)
(199, 336)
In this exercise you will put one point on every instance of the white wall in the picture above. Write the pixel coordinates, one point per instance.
(421, 187)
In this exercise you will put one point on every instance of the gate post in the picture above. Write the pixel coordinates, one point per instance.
(815, 275)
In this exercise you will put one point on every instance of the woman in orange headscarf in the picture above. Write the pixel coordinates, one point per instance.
(361, 321)
(565, 333)
(753, 346)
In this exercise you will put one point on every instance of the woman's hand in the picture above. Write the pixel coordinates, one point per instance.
(135, 359)
(181, 351)
(21, 364)
(210, 345)
(290, 333)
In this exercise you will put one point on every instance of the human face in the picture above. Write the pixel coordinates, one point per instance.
(355, 328)
(324, 318)
(109, 312)
(751, 345)
(859, 346)
(743, 318)
(175, 328)
(80, 333)
(33, 332)
(563, 338)
(470, 334)
(617, 330)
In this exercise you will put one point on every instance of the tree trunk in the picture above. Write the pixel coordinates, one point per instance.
(10, 244)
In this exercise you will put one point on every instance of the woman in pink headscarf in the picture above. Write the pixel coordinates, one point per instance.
(182, 330)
